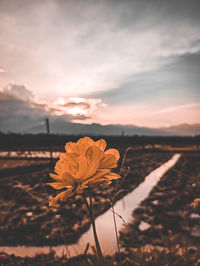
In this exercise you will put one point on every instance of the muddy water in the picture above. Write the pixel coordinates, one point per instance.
(104, 223)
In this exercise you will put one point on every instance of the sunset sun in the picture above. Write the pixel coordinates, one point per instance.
(77, 111)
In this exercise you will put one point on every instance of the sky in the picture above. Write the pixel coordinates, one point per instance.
(133, 62)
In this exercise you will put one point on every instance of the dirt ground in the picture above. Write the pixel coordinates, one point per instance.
(26, 218)
(165, 219)
(168, 216)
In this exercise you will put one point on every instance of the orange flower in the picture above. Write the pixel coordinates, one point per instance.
(85, 164)
(197, 204)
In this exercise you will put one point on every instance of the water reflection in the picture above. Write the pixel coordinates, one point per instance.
(29, 154)
(104, 223)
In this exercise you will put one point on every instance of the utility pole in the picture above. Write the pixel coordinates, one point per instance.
(48, 132)
(47, 125)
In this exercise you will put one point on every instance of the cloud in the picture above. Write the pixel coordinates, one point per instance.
(78, 109)
(122, 53)
(176, 108)
(17, 110)
(20, 112)
(175, 82)
(177, 114)
(94, 45)
(148, 115)
(18, 91)
(156, 12)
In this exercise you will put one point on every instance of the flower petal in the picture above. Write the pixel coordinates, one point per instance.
(61, 196)
(98, 175)
(92, 168)
(101, 173)
(58, 168)
(86, 140)
(101, 144)
(69, 161)
(83, 144)
(69, 157)
(67, 194)
(82, 167)
(71, 147)
(93, 183)
(63, 166)
(55, 177)
(109, 161)
(113, 152)
(58, 185)
(112, 176)
(68, 179)
(94, 153)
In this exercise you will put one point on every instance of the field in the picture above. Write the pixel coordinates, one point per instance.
(164, 219)
(168, 211)
(25, 196)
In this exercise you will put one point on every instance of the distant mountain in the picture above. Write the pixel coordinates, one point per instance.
(59, 126)
(182, 129)
(96, 129)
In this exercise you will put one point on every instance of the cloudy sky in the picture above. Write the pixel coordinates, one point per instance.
(104, 61)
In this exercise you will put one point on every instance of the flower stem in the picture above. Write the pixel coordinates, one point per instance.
(91, 214)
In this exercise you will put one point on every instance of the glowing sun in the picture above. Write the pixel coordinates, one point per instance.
(77, 111)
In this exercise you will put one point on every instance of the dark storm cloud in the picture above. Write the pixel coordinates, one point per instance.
(128, 12)
(16, 110)
(155, 11)
(19, 112)
(178, 78)
(19, 92)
